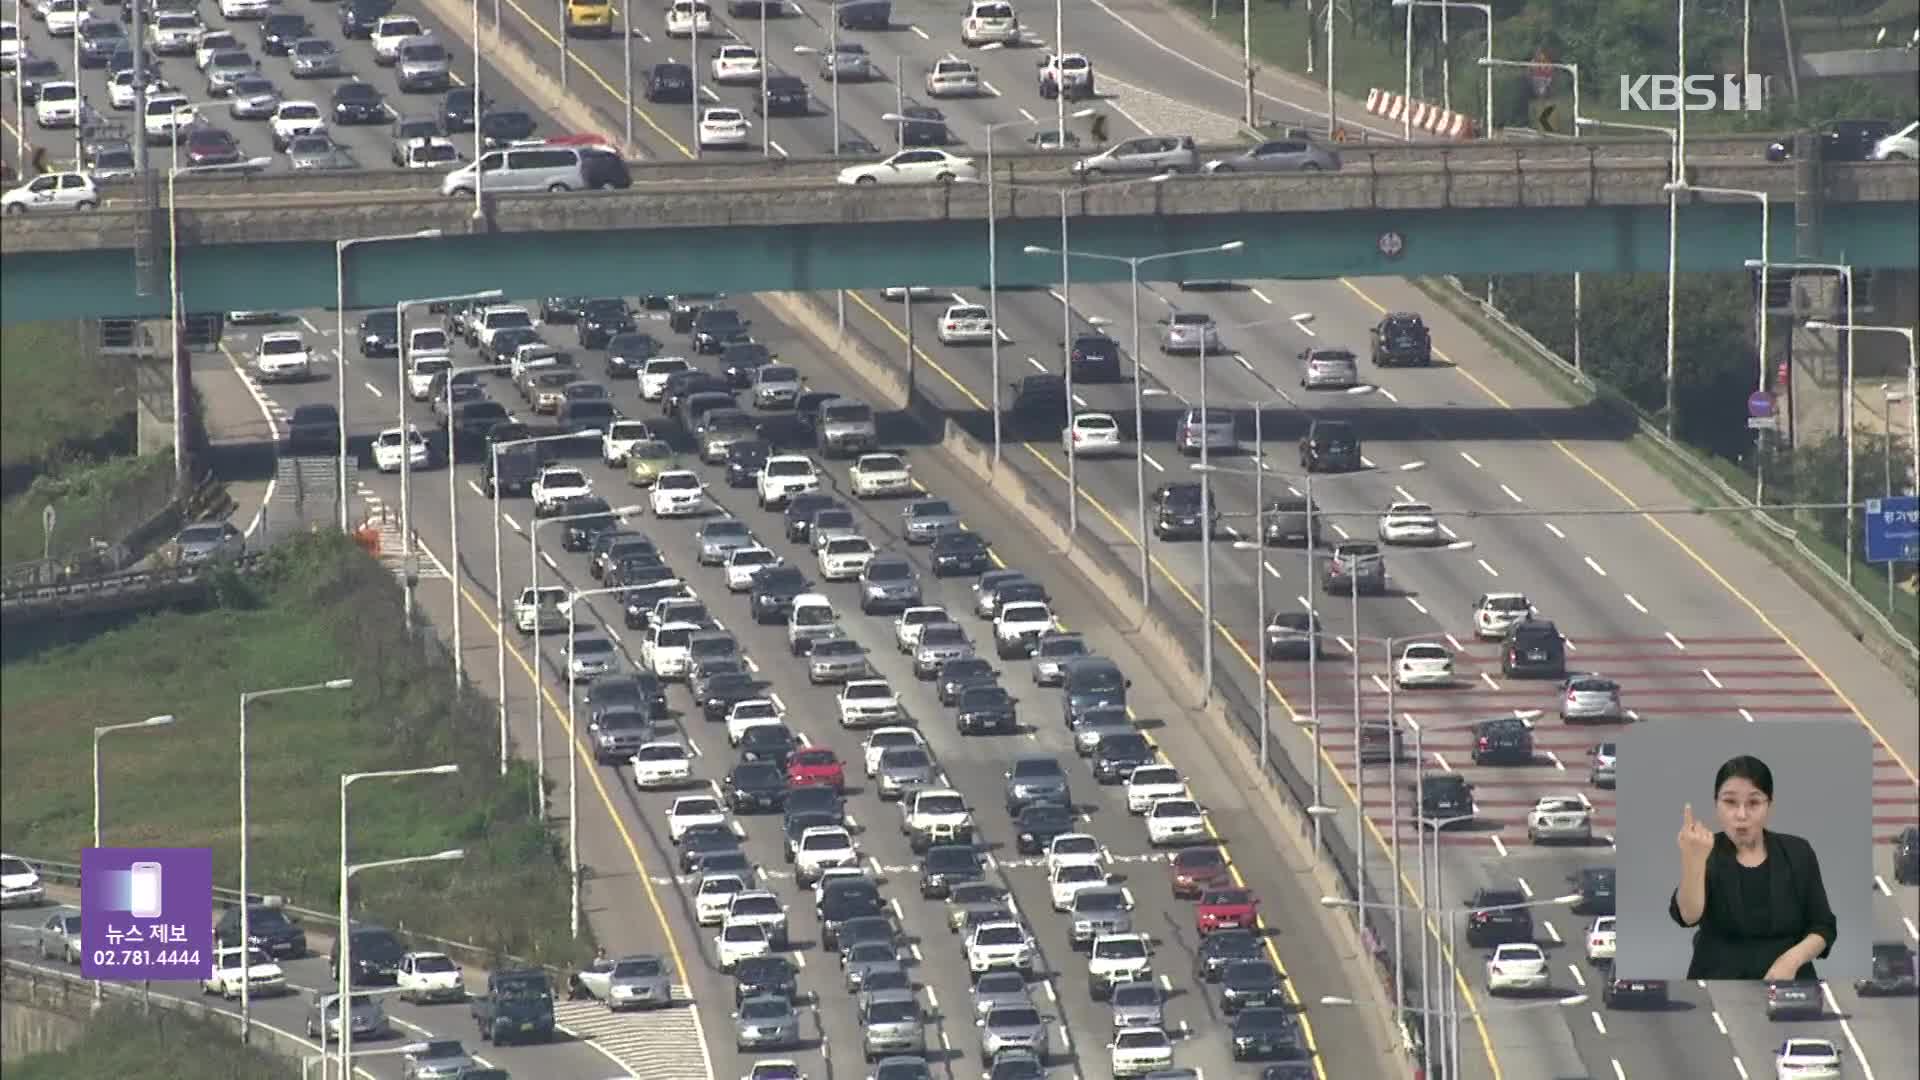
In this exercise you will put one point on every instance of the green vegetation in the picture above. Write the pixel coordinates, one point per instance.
(320, 610)
(1607, 40)
(58, 398)
(122, 1042)
(107, 499)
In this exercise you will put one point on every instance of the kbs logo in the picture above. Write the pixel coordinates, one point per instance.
(1695, 93)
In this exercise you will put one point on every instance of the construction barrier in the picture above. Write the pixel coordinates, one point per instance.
(1421, 116)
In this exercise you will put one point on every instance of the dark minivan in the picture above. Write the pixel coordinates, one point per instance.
(1330, 446)
(1535, 649)
(1092, 682)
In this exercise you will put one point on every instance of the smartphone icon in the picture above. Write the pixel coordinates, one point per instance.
(145, 891)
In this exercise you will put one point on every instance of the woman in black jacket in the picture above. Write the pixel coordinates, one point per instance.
(1754, 895)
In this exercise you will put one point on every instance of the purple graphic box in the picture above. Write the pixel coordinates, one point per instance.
(146, 913)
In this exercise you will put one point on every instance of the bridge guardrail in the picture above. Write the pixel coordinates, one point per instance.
(384, 182)
(134, 581)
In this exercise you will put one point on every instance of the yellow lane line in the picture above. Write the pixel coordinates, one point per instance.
(1698, 560)
(594, 73)
(1332, 769)
(593, 773)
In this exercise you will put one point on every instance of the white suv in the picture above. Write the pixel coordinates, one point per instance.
(783, 477)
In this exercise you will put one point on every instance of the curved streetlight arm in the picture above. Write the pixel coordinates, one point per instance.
(449, 855)
(1568, 1002)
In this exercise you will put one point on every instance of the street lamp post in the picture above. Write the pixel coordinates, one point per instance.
(1677, 176)
(1913, 366)
(573, 750)
(539, 711)
(401, 354)
(1759, 308)
(340, 248)
(177, 384)
(345, 972)
(993, 266)
(1444, 6)
(1066, 316)
(1846, 382)
(453, 523)
(101, 732)
(1133, 264)
(1579, 320)
(499, 577)
(246, 897)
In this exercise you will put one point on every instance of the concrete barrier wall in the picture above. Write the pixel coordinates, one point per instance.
(26, 1030)
(1168, 635)
(710, 204)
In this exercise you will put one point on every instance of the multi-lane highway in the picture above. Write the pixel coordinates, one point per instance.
(568, 1055)
(1670, 608)
(633, 865)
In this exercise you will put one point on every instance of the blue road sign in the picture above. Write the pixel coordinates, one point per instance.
(1759, 403)
(1893, 529)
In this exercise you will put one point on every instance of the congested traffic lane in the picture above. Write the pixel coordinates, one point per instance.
(370, 144)
(975, 766)
(1730, 660)
(308, 976)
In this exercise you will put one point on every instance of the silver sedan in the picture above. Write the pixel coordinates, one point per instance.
(1279, 155)
(999, 989)
(720, 537)
(1589, 697)
(314, 58)
(928, 518)
(765, 1022)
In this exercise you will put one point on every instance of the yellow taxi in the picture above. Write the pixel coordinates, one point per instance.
(590, 18)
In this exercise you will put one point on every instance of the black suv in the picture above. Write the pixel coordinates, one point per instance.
(1178, 512)
(601, 319)
(380, 333)
(271, 930)
(1040, 399)
(1505, 741)
(457, 109)
(1535, 648)
(958, 551)
(518, 468)
(313, 427)
(716, 328)
(279, 32)
(1498, 917)
(1594, 887)
(1402, 339)
(1095, 358)
(923, 125)
(1330, 446)
(755, 788)
(670, 84)
(1441, 796)
(786, 96)
(985, 708)
(376, 956)
(358, 103)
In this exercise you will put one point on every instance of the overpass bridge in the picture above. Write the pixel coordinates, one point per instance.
(1599, 207)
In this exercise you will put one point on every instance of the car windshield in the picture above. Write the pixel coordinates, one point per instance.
(906, 757)
(1136, 994)
(1037, 769)
(1006, 934)
(1017, 1017)
(942, 804)
(764, 1010)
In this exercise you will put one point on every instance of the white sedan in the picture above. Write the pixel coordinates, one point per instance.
(736, 64)
(655, 373)
(966, 324)
(1093, 433)
(909, 623)
(714, 895)
(1424, 664)
(661, 764)
(917, 166)
(953, 78)
(751, 713)
(678, 493)
(743, 563)
(620, 438)
(1137, 1051)
(392, 446)
(689, 811)
(739, 941)
(1074, 849)
(1149, 784)
(1601, 942)
(1518, 966)
(880, 474)
(1069, 880)
(265, 976)
(844, 557)
(1806, 1059)
(283, 354)
(724, 128)
(1176, 821)
(1560, 817)
(1409, 523)
(686, 18)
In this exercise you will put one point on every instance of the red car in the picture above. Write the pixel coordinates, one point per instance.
(211, 146)
(1198, 869)
(816, 765)
(1225, 909)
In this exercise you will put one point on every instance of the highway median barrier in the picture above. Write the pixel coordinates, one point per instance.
(1109, 571)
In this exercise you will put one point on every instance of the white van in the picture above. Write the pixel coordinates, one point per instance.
(990, 22)
(520, 169)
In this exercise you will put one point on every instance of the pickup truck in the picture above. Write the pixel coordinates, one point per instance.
(936, 816)
(516, 1007)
